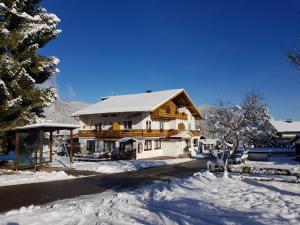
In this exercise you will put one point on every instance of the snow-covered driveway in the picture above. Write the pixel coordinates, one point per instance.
(199, 199)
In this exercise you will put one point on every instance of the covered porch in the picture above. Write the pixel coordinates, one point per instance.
(129, 147)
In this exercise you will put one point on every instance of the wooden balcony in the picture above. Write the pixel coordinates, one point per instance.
(118, 134)
(160, 114)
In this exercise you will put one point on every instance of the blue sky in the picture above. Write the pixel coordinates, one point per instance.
(214, 49)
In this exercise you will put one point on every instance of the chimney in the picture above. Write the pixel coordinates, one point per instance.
(104, 98)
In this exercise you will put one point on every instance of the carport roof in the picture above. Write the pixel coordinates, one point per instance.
(45, 127)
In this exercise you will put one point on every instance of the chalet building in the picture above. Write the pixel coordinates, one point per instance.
(138, 126)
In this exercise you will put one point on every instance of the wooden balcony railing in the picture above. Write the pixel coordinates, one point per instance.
(160, 114)
(113, 134)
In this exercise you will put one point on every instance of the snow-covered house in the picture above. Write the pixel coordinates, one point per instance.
(286, 131)
(137, 126)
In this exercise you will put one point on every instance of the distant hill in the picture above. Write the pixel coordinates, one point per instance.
(61, 111)
(201, 124)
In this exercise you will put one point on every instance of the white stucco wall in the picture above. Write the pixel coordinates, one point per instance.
(90, 120)
(138, 121)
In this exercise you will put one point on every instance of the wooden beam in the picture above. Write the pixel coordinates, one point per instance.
(71, 146)
(51, 145)
(17, 150)
(41, 142)
(35, 154)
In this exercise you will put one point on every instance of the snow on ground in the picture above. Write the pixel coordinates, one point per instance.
(117, 166)
(199, 199)
(24, 177)
(289, 163)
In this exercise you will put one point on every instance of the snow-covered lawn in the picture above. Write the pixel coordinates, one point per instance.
(199, 199)
(118, 166)
(288, 163)
(24, 177)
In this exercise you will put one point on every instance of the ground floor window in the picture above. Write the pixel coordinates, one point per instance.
(157, 144)
(196, 142)
(109, 146)
(148, 145)
(90, 145)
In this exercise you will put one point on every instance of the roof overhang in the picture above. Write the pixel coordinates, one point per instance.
(190, 104)
(46, 127)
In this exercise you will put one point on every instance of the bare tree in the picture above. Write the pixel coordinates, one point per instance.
(238, 126)
(294, 57)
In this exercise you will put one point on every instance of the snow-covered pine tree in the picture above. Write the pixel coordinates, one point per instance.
(24, 28)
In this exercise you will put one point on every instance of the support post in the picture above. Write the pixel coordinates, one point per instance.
(41, 140)
(35, 155)
(17, 150)
(71, 146)
(51, 145)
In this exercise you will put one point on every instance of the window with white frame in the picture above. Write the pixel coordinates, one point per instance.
(161, 125)
(109, 146)
(128, 125)
(148, 125)
(148, 145)
(196, 142)
(157, 144)
(90, 145)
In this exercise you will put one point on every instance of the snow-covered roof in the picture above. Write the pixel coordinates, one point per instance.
(209, 141)
(144, 102)
(183, 134)
(46, 125)
(286, 126)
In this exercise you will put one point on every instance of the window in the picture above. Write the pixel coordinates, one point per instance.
(196, 142)
(128, 125)
(148, 125)
(161, 125)
(90, 145)
(109, 146)
(157, 144)
(148, 145)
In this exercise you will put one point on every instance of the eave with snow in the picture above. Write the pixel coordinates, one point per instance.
(154, 124)
(286, 129)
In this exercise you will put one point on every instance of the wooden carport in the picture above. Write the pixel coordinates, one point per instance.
(40, 129)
